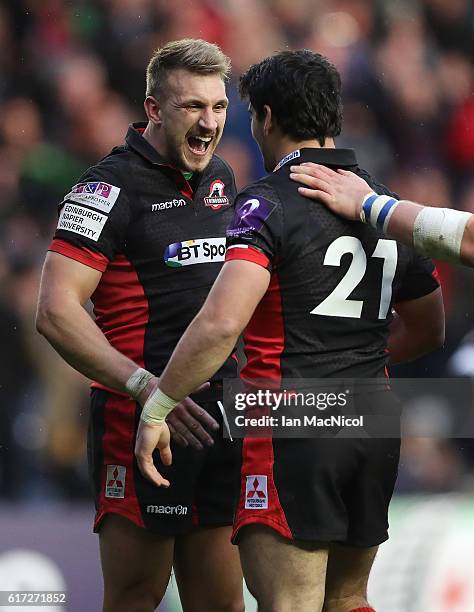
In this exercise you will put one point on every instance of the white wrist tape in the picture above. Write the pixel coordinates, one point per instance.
(377, 210)
(137, 382)
(157, 407)
(438, 232)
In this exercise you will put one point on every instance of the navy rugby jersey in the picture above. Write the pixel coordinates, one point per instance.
(158, 239)
(333, 282)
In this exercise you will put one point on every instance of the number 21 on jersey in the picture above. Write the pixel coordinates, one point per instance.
(336, 304)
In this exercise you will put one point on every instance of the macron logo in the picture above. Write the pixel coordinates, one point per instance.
(177, 510)
(167, 205)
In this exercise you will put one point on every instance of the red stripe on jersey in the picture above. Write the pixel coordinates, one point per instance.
(258, 460)
(122, 309)
(264, 337)
(183, 185)
(81, 254)
(118, 450)
(248, 254)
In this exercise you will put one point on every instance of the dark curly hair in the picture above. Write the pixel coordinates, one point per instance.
(302, 88)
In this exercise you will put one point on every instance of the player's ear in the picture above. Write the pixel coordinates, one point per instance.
(267, 122)
(153, 109)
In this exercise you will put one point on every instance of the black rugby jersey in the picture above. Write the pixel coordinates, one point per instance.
(333, 282)
(158, 239)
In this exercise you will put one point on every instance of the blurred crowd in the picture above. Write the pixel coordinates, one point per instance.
(72, 79)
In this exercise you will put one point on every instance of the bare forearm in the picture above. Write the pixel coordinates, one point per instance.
(399, 344)
(402, 221)
(405, 344)
(75, 336)
(197, 357)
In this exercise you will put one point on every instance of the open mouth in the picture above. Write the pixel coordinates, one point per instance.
(199, 144)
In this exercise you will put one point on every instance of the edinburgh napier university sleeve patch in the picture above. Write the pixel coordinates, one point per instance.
(94, 218)
(251, 236)
(84, 221)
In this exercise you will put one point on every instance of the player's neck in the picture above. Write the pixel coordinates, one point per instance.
(154, 137)
(285, 147)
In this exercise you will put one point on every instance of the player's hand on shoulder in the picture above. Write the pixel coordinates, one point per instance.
(341, 191)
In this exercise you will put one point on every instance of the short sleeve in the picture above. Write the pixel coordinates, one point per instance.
(421, 278)
(93, 219)
(255, 233)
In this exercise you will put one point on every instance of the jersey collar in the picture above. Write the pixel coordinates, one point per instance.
(138, 143)
(339, 158)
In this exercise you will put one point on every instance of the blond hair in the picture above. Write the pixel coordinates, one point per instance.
(193, 54)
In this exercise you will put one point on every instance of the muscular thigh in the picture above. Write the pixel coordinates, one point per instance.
(282, 574)
(208, 572)
(136, 565)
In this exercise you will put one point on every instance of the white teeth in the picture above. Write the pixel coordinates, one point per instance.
(204, 138)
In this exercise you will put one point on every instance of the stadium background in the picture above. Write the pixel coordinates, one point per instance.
(71, 79)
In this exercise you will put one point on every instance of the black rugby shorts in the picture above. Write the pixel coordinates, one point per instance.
(203, 484)
(327, 489)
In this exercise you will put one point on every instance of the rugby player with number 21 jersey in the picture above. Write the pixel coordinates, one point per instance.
(314, 295)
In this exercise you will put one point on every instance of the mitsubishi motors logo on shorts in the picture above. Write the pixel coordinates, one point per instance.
(216, 198)
(256, 495)
(115, 483)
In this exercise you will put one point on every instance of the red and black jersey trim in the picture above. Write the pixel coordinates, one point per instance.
(264, 337)
(264, 340)
(81, 254)
(248, 253)
(121, 308)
